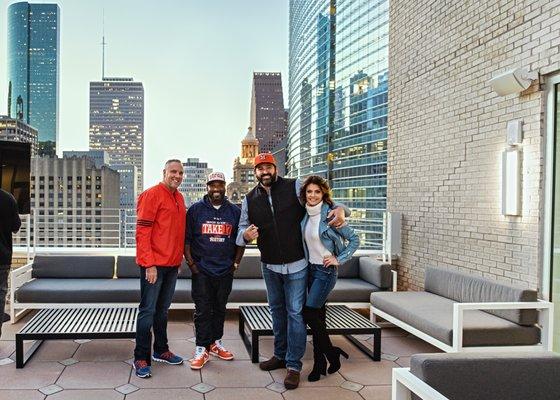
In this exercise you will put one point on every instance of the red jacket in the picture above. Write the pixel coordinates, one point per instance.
(160, 227)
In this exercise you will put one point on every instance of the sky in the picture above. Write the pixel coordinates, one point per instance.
(195, 59)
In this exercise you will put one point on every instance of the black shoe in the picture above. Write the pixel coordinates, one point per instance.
(319, 368)
(272, 364)
(334, 359)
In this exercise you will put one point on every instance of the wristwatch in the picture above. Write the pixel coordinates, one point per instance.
(235, 265)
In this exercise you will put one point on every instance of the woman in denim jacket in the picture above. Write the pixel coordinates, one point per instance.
(326, 248)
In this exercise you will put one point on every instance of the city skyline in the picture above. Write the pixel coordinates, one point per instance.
(197, 88)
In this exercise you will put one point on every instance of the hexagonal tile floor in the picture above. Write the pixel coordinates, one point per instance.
(101, 369)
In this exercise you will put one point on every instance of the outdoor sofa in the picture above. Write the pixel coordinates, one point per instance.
(459, 312)
(480, 376)
(64, 281)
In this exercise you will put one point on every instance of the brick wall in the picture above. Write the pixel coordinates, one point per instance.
(447, 132)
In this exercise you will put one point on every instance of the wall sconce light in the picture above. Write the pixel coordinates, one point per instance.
(511, 170)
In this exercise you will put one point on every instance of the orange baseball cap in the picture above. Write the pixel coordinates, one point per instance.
(265, 158)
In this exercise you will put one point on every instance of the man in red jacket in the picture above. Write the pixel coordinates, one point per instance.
(160, 235)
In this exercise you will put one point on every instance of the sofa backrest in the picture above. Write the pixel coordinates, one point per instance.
(350, 269)
(466, 288)
(127, 268)
(70, 266)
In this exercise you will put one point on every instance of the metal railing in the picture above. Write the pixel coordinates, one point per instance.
(116, 228)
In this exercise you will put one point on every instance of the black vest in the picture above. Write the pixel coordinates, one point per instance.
(279, 238)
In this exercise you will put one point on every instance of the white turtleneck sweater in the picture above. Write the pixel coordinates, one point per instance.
(314, 245)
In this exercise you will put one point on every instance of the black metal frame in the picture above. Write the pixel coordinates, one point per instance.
(39, 337)
(252, 345)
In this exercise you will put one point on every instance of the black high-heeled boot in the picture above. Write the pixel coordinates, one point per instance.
(319, 363)
(334, 359)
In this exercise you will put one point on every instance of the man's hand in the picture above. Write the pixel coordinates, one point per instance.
(251, 233)
(151, 275)
(194, 268)
(339, 217)
(330, 261)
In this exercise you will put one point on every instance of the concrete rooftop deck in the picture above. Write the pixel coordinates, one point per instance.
(101, 369)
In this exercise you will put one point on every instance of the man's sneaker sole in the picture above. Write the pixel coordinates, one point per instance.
(161, 360)
(220, 357)
(197, 368)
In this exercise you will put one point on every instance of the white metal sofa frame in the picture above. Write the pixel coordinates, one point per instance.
(22, 275)
(546, 320)
(404, 383)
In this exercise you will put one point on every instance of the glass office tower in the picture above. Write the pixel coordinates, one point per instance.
(33, 69)
(338, 103)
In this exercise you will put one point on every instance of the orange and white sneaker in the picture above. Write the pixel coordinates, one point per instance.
(220, 351)
(200, 358)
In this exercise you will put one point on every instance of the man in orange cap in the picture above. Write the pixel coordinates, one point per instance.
(271, 213)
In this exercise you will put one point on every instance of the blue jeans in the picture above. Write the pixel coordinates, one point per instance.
(321, 282)
(286, 297)
(154, 305)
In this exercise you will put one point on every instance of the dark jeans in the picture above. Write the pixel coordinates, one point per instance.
(154, 305)
(210, 295)
(4, 273)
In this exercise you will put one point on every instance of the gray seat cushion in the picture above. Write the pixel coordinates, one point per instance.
(433, 315)
(127, 268)
(466, 288)
(68, 267)
(249, 268)
(248, 291)
(350, 269)
(124, 290)
(489, 376)
(352, 290)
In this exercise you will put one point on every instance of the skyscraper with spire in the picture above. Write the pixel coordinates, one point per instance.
(116, 120)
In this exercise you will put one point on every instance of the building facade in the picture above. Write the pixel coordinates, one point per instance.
(193, 186)
(16, 130)
(116, 122)
(448, 136)
(99, 157)
(33, 69)
(244, 169)
(74, 203)
(338, 90)
(268, 116)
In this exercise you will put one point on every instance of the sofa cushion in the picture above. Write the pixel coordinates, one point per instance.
(248, 291)
(433, 315)
(124, 290)
(249, 268)
(351, 290)
(467, 376)
(376, 272)
(68, 267)
(127, 268)
(466, 288)
(350, 269)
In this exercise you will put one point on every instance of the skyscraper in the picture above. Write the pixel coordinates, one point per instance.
(267, 110)
(338, 61)
(116, 121)
(99, 157)
(193, 186)
(33, 69)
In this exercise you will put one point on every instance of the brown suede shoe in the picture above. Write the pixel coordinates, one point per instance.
(272, 364)
(291, 381)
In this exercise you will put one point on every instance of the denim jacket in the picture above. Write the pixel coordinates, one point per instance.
(334, 239)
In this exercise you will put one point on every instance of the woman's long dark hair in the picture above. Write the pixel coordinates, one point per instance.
(322, 183)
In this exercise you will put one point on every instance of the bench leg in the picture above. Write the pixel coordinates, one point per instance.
(254, 348)
(21, 358)
(374, 354)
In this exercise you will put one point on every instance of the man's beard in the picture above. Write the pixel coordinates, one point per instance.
(269, 181)
(217, 196)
